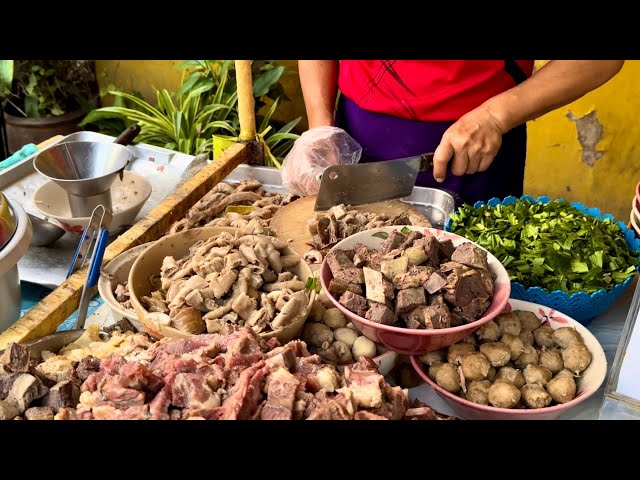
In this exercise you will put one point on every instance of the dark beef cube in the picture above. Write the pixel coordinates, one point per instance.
(379, 313)
(401, 219)
(338, 288)
(86, 367)
(474, 310)
(392, 242)
(354, 302)
(461, 290)
(411, 322)
(488, 279)
(350, 254)
(25, 389)
(6, 382)
(437, 316)
(364, 257)
(456, 318)
(409, 239)
(62, 394)
(434, 283)
(16, 358)
(350, 276)
(123, 325)
(445, 250)
(39, 413)
(388, 288)
(338, 261)
(470, 255)
(409, 299)
(431, 246)
(415, 277)
(435, 299)
(455, 267)
(322, 237)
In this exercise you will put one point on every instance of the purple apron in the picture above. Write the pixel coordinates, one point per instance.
(384, 137)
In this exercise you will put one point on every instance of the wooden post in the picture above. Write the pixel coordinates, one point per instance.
(246, 105)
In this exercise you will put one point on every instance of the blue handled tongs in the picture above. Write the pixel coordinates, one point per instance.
(96, 235)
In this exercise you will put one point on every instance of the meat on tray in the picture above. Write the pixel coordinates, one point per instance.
(341, 221)
(239, 376)
(211, 209)
(413, 281)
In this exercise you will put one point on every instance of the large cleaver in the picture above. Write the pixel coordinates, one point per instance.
(364, 183)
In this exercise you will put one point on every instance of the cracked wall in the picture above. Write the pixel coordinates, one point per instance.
(586, 151)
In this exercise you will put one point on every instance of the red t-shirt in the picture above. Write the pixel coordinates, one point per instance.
(426, 90)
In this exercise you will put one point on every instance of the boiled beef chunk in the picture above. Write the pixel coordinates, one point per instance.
(16, 358)
(354, 302)
(409, 239)
(39, 413)
(415, 277)
(364, 257)
(6, 382)
(338, 261)
(350, 276)
(409, 299)
(62, 394)
(281, 395)
(473, 310)
(461, 290)
(411, 321)
(86, 367)
(374, 285)
(379, 313)
(8, 411)
(25, 389)
(437, 316)
(431, 246)
(434, 283)
(435, 299)
(470, 255)
(338, 288)
(445, 250)
(392, 242)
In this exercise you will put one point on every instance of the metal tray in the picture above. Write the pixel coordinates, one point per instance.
(435, 204)
(48, 265)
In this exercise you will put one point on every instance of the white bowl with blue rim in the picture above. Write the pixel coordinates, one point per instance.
(581, 306)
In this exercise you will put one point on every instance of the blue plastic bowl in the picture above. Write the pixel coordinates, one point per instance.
(581, 306)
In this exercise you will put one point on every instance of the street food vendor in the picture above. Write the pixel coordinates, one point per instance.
(471, 113)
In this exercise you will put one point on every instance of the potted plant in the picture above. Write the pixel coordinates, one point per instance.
(46, 98)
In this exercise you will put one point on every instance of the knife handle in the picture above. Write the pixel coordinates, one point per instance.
(426, 162)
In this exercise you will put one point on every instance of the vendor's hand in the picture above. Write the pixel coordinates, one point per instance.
(471, 143)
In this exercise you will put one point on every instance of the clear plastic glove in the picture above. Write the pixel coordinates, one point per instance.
(312, 153)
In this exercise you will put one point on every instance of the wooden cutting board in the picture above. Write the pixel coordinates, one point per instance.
(290, 221)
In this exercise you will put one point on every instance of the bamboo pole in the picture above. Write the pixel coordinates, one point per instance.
(246, 105)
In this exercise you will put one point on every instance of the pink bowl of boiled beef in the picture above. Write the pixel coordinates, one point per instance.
(401, 304)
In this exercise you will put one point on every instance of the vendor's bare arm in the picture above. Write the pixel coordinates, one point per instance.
(556, 84)
(319, 81)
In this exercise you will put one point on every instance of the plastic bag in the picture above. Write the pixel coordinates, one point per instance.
(312, 153)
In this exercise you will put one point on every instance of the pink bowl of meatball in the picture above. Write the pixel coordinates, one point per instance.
(414, 289)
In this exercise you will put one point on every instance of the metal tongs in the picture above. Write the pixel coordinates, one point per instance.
(96, 235)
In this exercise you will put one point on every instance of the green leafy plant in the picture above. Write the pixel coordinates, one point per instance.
(47, 88)
(204, 108)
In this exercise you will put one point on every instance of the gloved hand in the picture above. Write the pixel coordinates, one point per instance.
(315, 150)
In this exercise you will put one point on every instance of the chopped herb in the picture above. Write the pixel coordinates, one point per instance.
(553, 246)
(405, 230)
(313, 284)
(382, 235)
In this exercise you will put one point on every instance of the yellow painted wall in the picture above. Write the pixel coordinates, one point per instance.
(554, 154)
(555, 165)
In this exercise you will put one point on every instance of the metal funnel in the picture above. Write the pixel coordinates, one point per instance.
(86, 170)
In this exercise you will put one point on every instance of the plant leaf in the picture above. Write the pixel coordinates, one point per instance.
(263, 83)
